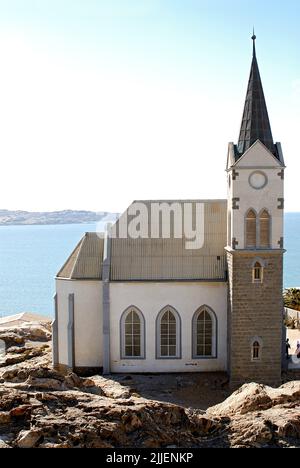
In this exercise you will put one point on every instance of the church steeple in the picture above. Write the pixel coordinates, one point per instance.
(255, 122)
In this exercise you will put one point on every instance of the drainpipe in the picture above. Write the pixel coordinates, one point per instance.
(70, 332)
(106, 303)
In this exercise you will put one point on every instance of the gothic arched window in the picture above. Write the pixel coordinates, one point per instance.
(264, 229)
(132, 334)
(251, 222)
(168, 333)
(204, 333)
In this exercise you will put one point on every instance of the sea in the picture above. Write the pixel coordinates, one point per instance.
(30, 257)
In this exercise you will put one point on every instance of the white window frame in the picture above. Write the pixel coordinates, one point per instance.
(178, 333)
(213, 317)
(142, 334)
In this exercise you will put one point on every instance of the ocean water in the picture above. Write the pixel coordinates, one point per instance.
(30, 256)
(292, 245)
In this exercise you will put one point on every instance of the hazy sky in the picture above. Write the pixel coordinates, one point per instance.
(107, 101)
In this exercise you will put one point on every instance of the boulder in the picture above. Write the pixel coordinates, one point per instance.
(20, 411)
(11, 338)
(256, 397)
(111, 388)
(72, 380)
(28, 439)
(17, 336)
(48, 384)
(250, 397)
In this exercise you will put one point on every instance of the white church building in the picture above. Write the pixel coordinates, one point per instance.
(185, 285)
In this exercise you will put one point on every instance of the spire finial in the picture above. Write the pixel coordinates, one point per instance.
(254, 39)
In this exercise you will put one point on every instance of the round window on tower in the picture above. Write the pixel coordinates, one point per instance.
(258, 180)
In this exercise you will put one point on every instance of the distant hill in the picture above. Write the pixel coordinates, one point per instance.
(10, 218)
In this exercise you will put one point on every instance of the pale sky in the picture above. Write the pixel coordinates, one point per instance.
(105, 102)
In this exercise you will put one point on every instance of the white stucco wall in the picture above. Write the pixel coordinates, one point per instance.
(257, 158)
(87, 321)
(186, 298)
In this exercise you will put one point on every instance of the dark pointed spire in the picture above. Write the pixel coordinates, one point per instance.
(255, 122)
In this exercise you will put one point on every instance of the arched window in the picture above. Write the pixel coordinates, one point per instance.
(204, 333)
(255, 351)
(264, 229)
(251, 229)
(168, 334)
(257, 272)
(132, 334)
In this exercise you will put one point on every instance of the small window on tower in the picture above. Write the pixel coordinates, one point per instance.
(256, 351)
(258, 273)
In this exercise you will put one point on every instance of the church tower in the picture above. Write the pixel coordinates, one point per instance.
(255, 244)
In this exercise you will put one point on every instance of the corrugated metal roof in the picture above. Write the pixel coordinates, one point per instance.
(156, 259)
(168, 259)
(85, 262)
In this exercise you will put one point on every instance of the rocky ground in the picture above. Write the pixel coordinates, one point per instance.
(41, 407)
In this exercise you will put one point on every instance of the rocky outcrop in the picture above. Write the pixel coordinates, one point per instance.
(42, 407)
(28, 332)
(255, 397)
(45, 408)
(262, 416)
(77, 418)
